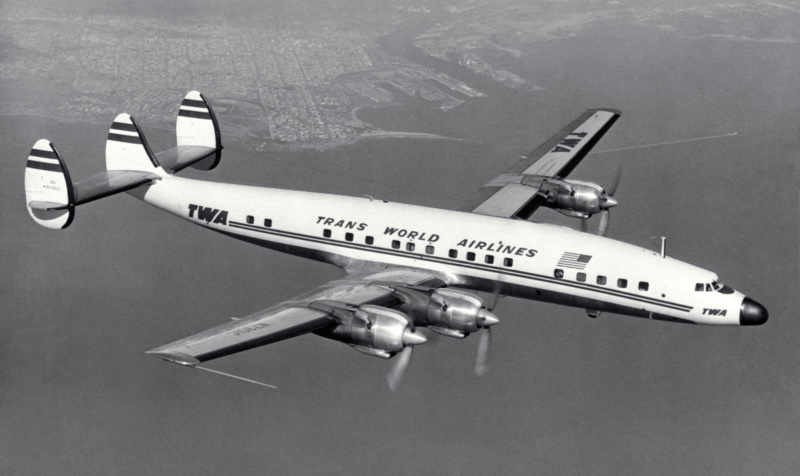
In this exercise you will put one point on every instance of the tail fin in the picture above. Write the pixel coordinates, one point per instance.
(48, 188)
(51, 197)
(126, 147)
(197, 134)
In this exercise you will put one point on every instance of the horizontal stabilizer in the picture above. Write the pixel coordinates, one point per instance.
(38, 205)
(178, 158)
(110, 182)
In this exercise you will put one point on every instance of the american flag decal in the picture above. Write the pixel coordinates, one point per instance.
(574, 260)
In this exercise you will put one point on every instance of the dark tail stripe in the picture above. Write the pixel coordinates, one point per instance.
(194, 103)
(194, 114)
(45, 154)
(120, 126)
(122, 138)
(35, 164)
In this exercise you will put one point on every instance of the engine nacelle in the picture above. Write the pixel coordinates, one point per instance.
(447, 311)
(376, 330)
(582, 197)
(575, 198)
(454, 310)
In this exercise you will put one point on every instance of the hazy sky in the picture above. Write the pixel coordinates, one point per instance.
(565, 394)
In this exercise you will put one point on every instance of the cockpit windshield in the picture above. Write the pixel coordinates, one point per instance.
(715, 285)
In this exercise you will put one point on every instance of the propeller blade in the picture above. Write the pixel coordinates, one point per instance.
(399, 368)
(498, 286)
(482, 361)
(613, 190)
(603, 229)
(585, 225)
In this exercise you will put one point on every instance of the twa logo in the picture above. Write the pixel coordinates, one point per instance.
(714, 312)
(208, 214)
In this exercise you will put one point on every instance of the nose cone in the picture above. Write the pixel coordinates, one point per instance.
(486, 318)
(752, 313)
(413, 338)
(609, 202)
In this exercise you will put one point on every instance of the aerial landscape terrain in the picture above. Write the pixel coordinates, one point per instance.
(422, 102)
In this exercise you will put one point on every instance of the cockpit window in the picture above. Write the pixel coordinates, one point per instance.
(715, 285)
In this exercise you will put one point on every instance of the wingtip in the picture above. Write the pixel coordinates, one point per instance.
(174, 357)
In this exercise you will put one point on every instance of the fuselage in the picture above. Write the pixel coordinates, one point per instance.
(518, 258)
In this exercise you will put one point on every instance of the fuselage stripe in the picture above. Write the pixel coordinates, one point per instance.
(423, 257)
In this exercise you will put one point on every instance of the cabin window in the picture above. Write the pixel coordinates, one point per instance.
(326, 233)
(559, 273)
(489, 259)
(268, 222)
(644, 285)
(453, 254)
(601, 280)
(250, 219)
(622, 283)
(508, 262)
(396, 244)
(581, 277)
(369, 240)
(470, 256)
(410, 246)
(348, 236)
(430, 249)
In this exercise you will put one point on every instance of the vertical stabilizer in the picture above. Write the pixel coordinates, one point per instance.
(126, 147)
(48, 188)
(197, 126)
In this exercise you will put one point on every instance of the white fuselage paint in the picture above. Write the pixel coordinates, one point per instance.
(299, 220)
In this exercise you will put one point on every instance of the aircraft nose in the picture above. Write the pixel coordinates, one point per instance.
(752, 313)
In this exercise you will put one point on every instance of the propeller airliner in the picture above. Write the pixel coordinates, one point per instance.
(405, 266)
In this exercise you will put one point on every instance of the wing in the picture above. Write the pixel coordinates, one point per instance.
(308, 312)
(515, 193)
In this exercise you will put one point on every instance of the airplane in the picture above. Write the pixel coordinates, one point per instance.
(406, 266)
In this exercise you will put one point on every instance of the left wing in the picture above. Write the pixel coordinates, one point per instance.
(323, 307)
(516, 193)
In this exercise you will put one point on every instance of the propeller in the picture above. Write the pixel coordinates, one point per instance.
(403, 359)
(486, 319)
(607, 201)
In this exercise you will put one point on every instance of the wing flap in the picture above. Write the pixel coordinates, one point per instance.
(507, 200)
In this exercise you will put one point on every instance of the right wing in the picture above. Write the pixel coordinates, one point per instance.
(305, 313)
(516, 193)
